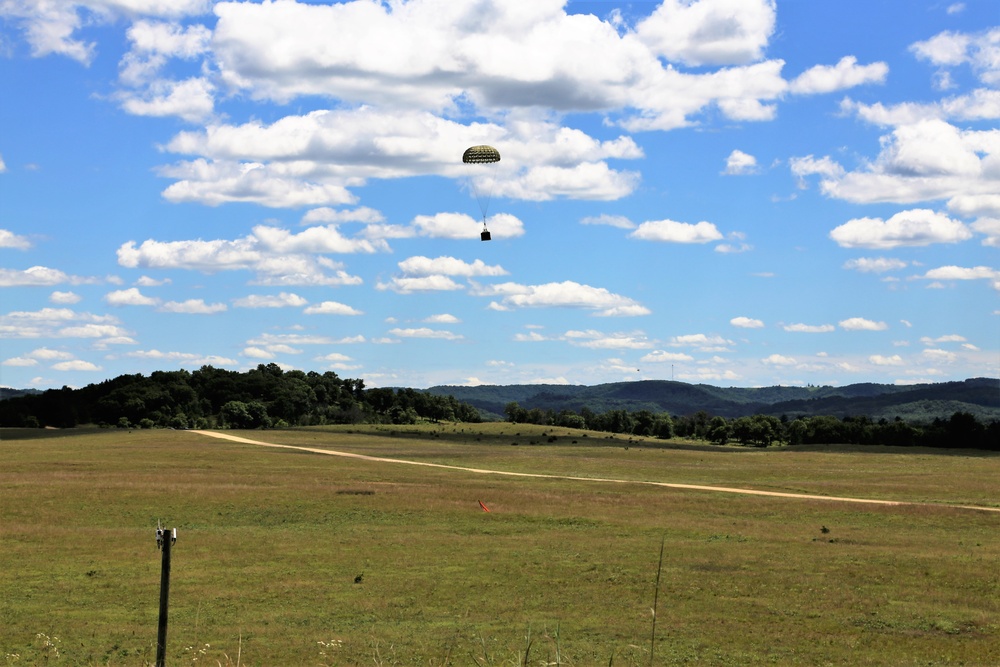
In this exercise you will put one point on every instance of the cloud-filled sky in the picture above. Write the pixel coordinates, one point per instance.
(735, 192)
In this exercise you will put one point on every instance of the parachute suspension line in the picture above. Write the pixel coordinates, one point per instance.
(488, 157)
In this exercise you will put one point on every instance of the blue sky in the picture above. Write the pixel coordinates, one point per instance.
(734, 192)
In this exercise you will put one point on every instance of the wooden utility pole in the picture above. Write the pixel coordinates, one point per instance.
(164, 540)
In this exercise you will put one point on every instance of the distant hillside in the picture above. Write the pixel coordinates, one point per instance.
(7, 392)
(979, 396)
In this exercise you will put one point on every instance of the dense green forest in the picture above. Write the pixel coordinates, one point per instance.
(215, 398)
(960, 430)
(268, 396)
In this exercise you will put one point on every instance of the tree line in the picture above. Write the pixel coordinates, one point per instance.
(961, 430)
(217, 398)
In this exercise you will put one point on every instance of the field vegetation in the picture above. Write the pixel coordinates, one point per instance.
(286, 557)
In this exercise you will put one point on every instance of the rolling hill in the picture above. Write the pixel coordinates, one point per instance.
(979, 396)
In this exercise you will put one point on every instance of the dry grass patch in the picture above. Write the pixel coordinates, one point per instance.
(271, 542)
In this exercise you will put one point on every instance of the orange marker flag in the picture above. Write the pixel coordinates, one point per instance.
(485, 508)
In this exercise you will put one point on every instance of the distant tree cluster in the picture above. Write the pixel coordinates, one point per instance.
(212, 397)
(961, 430)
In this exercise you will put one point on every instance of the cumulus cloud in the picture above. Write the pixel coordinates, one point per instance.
(746, 323)
(277, 256)
(875, 264)
(183, 358)
(36, 275)
(448, 266)
(65, 298)
(331, 308)
(661, 356)
(861, 324)
(281, 300)
(845, 74)
(193, 307)
(880, 360)
(809, 328)
(51, 27)
(809, 165)
(598, 340)
(951, 49)
(709, 33)
(779, 360)
(129, 297)
(916, 227)
(619, 221)
(9, 239)
(670, 231)
(739, 163)
(424, 332)
(567, 294)
(924, 161)
(75, 365)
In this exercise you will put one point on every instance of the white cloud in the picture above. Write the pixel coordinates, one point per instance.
(75, 365)
(965, 273)
(281, 300)
(449, 266)
(950, 49)
(670, 231)
(193, 306)
(746, 323)
(425, 332)
(331, 308)
(861, 324)
(990, 228)
(809, 328)
(879, 360)
(916, 227)
(875, 264)
(36, 275)
(661, 356)
(722, 32)
(979, 104)
(600, 341)
(328, 215)
(739, 163)
(9, 239)
(19, 362)
(50, 27)
(257, 353)
(702, 342)
(779, 360)
(845, 74)
(65, 298)
(185, 358)
(408, 285)
(924, 161)
(146, 281)
(443, 318)
(618, 221)
(277, 256)
(567, 294)
(809, 165)
(129, 297)
(192, 100)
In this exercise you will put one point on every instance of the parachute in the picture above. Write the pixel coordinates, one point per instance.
(482, 163)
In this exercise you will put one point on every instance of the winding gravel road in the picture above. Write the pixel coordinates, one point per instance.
(671, 485)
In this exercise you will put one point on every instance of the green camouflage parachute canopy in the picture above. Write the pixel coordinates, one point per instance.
(480, 155)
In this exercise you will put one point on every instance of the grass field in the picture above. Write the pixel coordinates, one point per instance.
(270, 542)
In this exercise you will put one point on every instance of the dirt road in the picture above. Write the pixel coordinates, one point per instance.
(671, 485)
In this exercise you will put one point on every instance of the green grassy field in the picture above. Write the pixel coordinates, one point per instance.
(270, 542)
